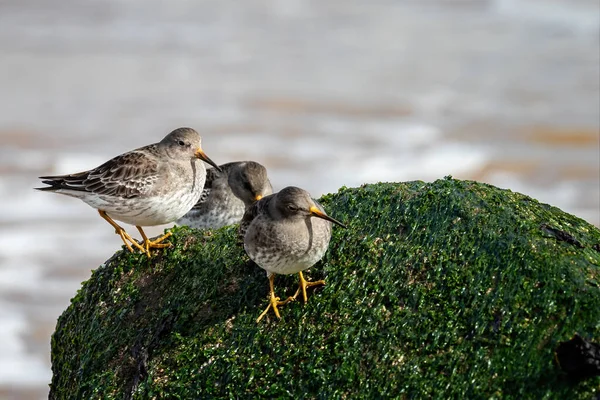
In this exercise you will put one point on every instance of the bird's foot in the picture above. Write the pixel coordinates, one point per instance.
(273, 303)
(153, 244)
(128, 239)
(306, 284)
(125, 237)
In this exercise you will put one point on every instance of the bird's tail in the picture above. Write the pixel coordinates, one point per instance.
(72, 182)
(53, 182)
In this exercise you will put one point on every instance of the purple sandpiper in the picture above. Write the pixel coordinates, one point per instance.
(282, 237)
(227, 193)
(152, 185)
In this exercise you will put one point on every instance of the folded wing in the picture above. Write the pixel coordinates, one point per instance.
(128, 175)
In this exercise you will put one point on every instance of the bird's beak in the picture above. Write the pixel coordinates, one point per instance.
(258, 197)
(318, 213)
(201, 155)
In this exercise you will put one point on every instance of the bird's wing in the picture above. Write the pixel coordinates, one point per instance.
(252, 212)
(211, 175)
(128, 175)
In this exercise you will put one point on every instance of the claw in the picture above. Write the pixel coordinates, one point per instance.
(121, 232)
(274, 301)
(153, 244)
(305, 284)
(146, 245)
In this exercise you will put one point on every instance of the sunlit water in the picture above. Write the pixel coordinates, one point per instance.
(324, 94)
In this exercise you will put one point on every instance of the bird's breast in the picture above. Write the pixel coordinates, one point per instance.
(285, 248)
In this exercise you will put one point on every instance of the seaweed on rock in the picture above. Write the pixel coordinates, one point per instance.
(451, 289)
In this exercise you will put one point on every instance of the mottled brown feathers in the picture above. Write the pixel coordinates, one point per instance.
(128, 176)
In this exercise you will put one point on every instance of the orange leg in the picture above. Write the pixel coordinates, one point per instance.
(153, 244)
(274, 301)
(121, 232)
(305, 284)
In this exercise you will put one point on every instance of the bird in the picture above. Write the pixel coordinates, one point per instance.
(148, 186)
(227, 193)
(286, 233)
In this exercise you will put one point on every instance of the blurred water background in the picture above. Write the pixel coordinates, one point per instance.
(324, 93)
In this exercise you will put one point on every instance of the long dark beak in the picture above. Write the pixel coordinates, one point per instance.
(201, 155)
(318, 213)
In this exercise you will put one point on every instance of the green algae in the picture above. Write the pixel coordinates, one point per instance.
(451, 289)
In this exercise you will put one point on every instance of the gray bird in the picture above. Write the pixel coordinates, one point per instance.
(227, 193)
(152, 185)
(286, 233)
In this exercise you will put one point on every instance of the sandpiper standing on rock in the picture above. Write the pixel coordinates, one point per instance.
(149, 186)
(227, 193)
(282, 237)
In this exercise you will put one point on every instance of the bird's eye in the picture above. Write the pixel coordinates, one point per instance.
(181, 143)
(292, 207)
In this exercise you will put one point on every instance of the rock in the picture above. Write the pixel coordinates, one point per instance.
(451, 289)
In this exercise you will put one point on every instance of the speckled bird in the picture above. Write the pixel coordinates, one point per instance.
(286, 233)
(227, 193)
(153, 185)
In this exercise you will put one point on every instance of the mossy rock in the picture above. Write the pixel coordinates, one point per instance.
(451, 289)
